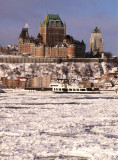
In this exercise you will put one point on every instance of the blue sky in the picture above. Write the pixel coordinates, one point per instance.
(80, 16)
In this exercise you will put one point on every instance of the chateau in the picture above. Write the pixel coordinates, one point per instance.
(52, 41)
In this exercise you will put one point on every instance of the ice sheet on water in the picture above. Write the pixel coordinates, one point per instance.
(42, 124)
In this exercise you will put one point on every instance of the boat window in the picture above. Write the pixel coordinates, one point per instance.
(82, 89)
(64, 89)
(96, 89)
(89, 89)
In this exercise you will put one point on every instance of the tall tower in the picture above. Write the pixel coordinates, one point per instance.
(23, 38)
(96, 41)
(52, 30)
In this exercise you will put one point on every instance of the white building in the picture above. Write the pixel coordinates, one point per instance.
(12, 47)
(96, 41)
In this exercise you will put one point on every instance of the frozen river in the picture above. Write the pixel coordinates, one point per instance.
(47, 126)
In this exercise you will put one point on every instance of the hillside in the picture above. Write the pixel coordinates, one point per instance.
(63, 70)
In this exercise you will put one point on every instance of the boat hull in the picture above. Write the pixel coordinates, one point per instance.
(80, 92)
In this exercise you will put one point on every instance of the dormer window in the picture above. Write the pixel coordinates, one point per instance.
(52, 22)
(57, 23)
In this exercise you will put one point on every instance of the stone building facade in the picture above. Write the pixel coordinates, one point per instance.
(96, 41)
(19, 82)
(52, 41)
(39, 82)
(52, 30)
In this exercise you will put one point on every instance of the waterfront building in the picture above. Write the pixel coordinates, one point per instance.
(19, 82)
(39, 82)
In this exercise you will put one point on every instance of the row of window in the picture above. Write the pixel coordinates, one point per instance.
(60, 89)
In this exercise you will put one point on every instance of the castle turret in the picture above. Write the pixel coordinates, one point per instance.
(23, 38)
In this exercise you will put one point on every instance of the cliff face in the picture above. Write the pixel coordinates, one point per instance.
(62, 70)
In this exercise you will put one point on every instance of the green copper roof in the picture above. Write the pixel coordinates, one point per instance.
(50, 17)
(96, 30)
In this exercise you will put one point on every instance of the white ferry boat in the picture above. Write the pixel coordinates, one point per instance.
(72, 88)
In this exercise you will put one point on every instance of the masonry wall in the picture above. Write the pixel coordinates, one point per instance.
(55, 35)
(52, 35)
(53, 60)
(41, 50)
(43, 32)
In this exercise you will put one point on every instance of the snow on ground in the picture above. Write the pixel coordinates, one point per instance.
(45, 126)
(69, 70)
